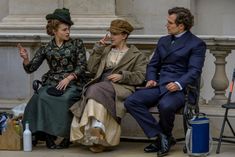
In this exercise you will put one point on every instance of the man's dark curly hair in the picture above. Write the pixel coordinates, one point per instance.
(183, 16)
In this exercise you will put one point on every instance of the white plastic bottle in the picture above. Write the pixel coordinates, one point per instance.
(27, 138)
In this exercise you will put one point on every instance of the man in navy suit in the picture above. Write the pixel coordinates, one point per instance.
(177, 62)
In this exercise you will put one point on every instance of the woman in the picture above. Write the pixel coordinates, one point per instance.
(48, 111)
(118, 69)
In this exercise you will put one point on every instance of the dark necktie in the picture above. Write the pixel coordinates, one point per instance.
(173, 39)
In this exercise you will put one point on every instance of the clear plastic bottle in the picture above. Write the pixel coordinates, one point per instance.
(21, 128)
(27, 138)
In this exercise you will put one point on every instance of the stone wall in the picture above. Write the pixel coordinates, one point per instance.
(212, 17)
(3, 8)
(24, 21)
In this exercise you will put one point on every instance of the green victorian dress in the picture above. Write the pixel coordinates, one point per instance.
(51, 114)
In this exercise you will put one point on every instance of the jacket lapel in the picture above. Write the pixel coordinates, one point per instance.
(103, 61)
(166, 44)
(178, 44)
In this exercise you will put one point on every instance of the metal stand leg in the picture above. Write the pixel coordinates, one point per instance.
(222, 131)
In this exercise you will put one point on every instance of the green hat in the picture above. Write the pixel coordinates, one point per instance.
(62, 15)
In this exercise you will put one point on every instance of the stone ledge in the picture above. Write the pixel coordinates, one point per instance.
(211, 111)
(216, 111)
(130, 128)
(7, 105)
(149, 40)
(87, 24)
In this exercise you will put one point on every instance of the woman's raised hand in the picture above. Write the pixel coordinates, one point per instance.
(106, 38)
(23, 52)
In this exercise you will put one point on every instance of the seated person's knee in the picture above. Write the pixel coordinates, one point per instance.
(165, 108)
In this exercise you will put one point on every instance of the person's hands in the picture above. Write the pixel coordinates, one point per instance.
(23, 52)
(151, 83)
(115, 77)
(63, 84)
(104, 40)
(172, 87)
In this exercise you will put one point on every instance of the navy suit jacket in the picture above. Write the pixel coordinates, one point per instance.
(181, 61)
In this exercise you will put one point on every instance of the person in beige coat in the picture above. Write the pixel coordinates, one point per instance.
(118, 70)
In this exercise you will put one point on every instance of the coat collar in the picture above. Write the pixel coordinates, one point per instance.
(52, 44)
(179, 43)
(130, 54)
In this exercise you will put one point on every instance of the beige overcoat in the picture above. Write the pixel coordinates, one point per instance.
(132, 66)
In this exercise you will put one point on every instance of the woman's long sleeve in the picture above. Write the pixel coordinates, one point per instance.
(81, 62)
(137, 75)
(37, 60)
(95, 58)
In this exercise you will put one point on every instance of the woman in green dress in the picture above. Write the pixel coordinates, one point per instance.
(48, 110)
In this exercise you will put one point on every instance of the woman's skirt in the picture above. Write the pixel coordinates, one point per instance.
(51, 114)
(100, 106)
(103, 92)
(80, 129)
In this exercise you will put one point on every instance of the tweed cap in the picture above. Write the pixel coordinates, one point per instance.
(62, 15)
(119, 26)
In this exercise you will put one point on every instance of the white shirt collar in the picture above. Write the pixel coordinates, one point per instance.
(179, 35)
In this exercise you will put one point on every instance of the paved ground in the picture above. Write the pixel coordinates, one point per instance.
(125, 149)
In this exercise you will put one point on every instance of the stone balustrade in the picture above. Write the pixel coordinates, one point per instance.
(13, 76)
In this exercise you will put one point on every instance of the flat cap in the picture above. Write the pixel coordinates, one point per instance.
(120, 26)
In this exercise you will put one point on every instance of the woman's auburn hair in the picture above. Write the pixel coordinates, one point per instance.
(52, 25)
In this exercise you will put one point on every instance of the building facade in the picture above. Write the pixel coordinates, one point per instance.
(23, 21)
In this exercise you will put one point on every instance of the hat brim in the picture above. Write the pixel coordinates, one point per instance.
(53, 16)
(112, 30)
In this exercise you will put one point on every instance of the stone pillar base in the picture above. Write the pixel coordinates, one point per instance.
(202, 101)
(217, 102)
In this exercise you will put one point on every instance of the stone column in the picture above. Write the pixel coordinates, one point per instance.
(201, 101)
(89, 16)
(219, 81)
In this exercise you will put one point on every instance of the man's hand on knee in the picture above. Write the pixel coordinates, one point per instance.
(172, 87)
